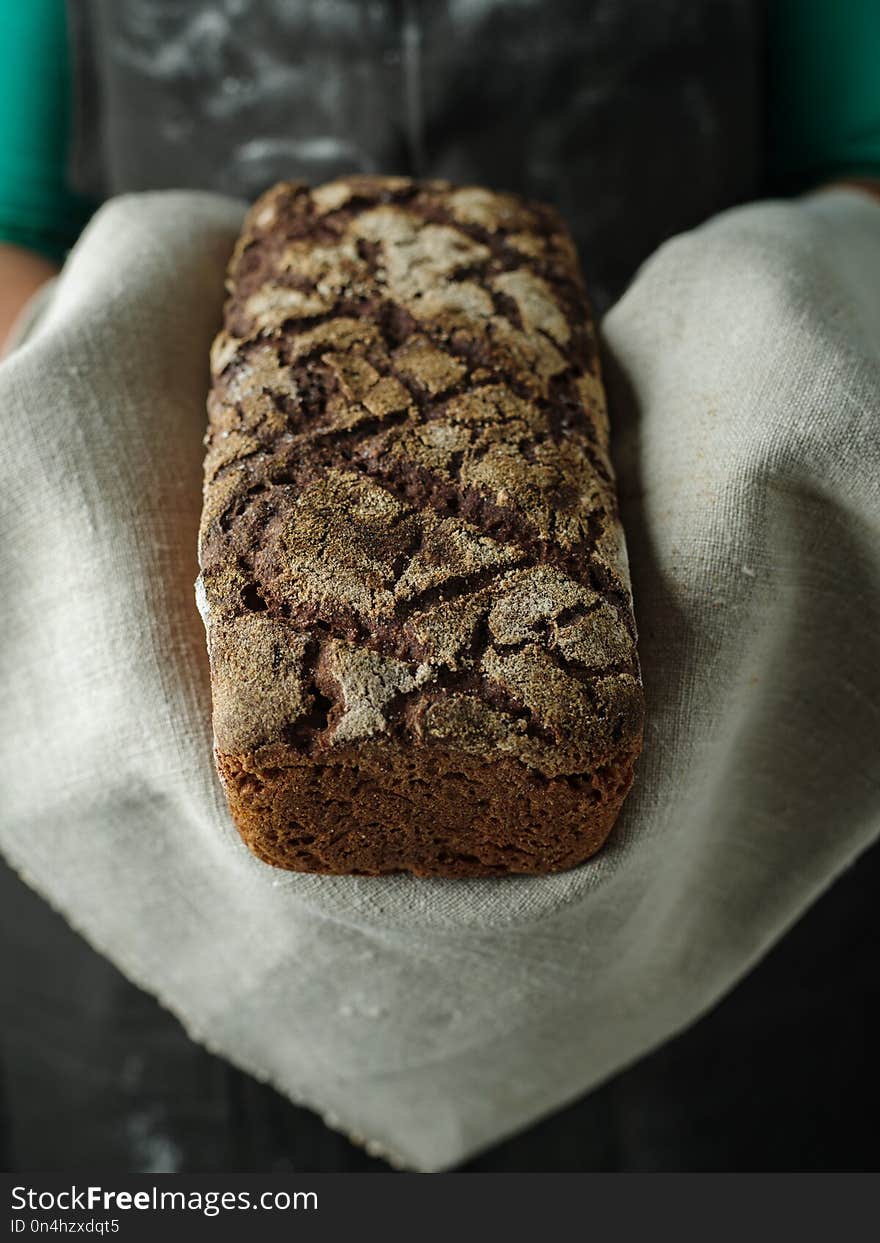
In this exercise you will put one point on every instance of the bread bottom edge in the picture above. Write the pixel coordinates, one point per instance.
(427, 812)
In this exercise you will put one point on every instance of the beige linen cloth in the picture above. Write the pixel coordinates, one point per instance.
(430, 1018)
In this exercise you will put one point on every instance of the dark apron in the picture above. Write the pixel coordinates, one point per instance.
(636, 118)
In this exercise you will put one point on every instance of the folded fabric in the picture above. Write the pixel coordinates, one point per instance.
(430, 1018)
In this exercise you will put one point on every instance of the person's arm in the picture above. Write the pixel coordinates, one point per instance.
(824, 94)
(22, 272)
(40, 217)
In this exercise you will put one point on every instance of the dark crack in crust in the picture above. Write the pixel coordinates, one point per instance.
(413, 574)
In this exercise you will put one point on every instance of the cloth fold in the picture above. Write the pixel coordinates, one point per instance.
(430, 1018)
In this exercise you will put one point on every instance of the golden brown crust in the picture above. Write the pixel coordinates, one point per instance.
(413, 574)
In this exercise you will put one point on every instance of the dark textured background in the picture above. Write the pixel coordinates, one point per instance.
(782, 1075)
(635, 118)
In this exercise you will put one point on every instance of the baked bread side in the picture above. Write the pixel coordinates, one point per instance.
(413, 575)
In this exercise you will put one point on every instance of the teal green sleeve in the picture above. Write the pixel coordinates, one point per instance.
(37, 208)
(823, 90)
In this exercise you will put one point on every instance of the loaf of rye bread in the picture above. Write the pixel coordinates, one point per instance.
(413, 575)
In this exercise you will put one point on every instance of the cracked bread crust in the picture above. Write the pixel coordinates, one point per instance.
(413, 575)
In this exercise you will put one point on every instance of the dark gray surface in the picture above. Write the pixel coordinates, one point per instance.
(636, 118)
(781, 1076)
